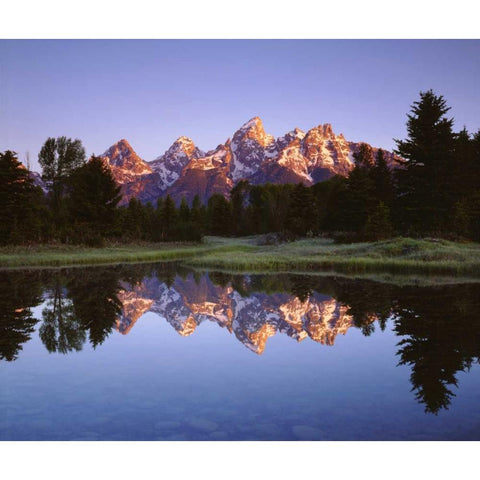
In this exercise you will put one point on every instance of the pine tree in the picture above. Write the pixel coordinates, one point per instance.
(359, 198)
(329, 196)
(134, 220)
(169, 220)
(382, 179)
(364, 156)
(21, 202)
(184, 223)
(474, 198)
(424, 179)
(93, 198)
(198, 219)
(378, 225)
(157, 221)
(219, 215)
(238, 197)
(301, 212)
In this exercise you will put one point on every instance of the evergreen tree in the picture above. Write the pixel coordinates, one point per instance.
(134, 220)
(329, 196)
(157, 221)
(94, 196)
(474, 196)
(359, 199)
(466, 218)
(238, 198)
(184, 224)
(198, 219)
(168, 220)
(22, 209)
(301, 212)
(149, 219)
(382, 179)
(424, 179)
(378, 225)
(219, 215)
(364, 156)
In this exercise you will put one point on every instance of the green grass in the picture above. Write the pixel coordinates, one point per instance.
(62, 255)
(397, 256)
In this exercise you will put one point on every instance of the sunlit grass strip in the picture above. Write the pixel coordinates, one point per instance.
(94, 256)
(259, 262)
(395, 256)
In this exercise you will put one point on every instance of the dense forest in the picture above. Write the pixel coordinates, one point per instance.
(432, 191)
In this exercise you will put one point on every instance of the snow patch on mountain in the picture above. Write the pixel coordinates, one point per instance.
(169, 166)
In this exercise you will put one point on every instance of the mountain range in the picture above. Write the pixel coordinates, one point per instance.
(250, 154)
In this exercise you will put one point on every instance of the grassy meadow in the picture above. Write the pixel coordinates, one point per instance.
(68, 255)
(399, 256)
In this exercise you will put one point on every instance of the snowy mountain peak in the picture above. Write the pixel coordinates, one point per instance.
(118, 150)
(248, 146)
(124, 162)
(253, 131)
(324, 131)
(183, 139)
(254, 122)
(298, 133)
(250, 154)
(169, 166)
(183, 145)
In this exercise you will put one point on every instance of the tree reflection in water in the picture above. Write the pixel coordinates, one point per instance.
(439, 326)
(19, 292)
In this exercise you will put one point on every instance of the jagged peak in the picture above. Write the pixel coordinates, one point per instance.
(121, 145)
(183, 140)
(324, 130)
(253, 122)
(183, 146)
(296, 133)
(290, 136)
(253, 130)
(123, 142)
(183, 143)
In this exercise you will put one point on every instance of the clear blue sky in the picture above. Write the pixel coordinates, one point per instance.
(151, 92)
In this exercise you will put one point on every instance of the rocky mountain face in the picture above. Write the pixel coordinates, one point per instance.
(126, 165)
(187, 302)
(251, 154)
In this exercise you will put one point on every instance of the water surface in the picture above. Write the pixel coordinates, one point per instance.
(156, 352)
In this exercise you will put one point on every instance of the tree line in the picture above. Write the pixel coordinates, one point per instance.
(432, 190)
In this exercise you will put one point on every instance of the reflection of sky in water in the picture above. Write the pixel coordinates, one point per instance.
(155, 384)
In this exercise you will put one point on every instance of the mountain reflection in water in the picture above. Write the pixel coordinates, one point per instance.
(438, 327)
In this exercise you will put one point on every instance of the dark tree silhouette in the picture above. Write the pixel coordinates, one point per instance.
(424, 180)
(19, 292)
(59, 158)
(22, 211)
(61, 330)
(94, 196)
